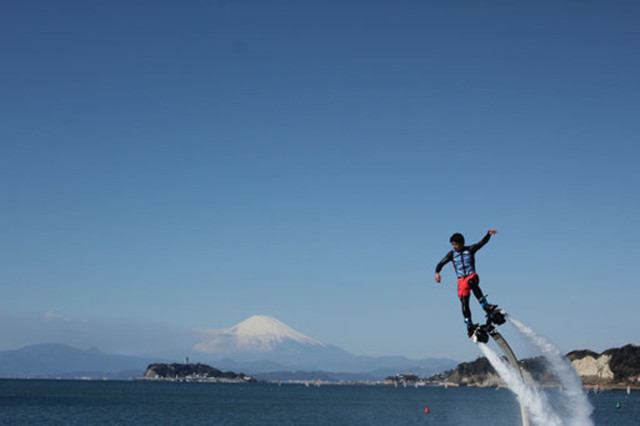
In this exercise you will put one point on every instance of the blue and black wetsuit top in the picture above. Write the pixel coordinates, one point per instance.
(464, 261)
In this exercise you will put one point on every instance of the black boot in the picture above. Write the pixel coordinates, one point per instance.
(471, 327)
(488, 308)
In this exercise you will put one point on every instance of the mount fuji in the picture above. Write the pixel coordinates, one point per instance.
(260, 333)
(263, 344)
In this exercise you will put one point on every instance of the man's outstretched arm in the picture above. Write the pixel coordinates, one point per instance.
(448, 258)
(474, 248)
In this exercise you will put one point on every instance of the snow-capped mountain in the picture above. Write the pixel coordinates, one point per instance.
(260, 333)
(263, 343)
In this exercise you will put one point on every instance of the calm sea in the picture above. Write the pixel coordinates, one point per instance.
(52, 402)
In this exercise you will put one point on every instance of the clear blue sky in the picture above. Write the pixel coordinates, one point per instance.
(190, 164)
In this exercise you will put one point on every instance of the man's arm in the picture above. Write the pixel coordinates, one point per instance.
(474, 248)
(448, 258)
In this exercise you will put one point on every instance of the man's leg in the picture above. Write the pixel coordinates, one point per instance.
(464, 293)
(466, 313)
(477, 292)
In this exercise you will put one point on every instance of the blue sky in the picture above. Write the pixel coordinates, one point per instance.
(190, 164)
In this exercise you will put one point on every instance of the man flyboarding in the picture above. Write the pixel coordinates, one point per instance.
(464, 263)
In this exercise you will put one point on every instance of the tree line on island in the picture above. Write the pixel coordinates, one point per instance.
(193, 372)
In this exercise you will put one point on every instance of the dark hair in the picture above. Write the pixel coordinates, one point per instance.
(457, 238)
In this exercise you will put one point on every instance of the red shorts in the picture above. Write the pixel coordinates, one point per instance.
(463, 285)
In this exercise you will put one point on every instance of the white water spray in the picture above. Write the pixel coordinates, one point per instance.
(531, 397)
(577, 405)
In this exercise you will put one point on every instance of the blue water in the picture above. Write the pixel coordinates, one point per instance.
(43, 402)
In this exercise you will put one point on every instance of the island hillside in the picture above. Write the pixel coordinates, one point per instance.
(193, 373)
(613, 368)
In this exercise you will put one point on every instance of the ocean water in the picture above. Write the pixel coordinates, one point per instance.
(53, 402)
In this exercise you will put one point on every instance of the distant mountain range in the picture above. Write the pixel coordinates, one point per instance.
(261, 346)
(54, 360)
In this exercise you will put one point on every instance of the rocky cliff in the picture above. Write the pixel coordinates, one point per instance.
(614, 366)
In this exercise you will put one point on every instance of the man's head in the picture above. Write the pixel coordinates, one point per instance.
(457, 241)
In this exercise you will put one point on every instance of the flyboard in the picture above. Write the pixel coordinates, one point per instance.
(482, 334)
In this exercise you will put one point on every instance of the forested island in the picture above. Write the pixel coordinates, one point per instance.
(193, 373)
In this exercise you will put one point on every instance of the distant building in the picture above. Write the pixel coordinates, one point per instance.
(406, 379)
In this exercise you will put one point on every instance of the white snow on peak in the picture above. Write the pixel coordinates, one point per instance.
(260, 333)
(267, 330)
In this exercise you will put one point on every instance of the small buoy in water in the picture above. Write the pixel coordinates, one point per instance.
(426, 409)
(618, 405)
